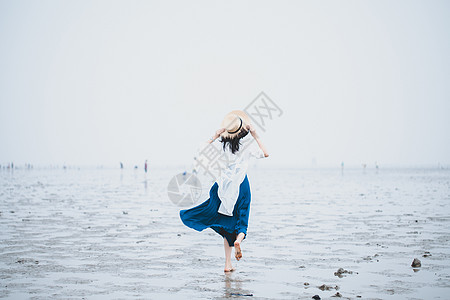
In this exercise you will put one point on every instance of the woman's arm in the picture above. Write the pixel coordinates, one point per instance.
(256, 137)
(216, 135)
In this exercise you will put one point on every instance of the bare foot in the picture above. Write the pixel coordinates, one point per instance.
(237, 250)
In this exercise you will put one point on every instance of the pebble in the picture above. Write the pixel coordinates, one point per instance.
(316, 297)
(341, 271)
(426, 254)
(325, 287)
(416, 263)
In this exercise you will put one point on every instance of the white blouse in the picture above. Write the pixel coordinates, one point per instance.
(234, 170)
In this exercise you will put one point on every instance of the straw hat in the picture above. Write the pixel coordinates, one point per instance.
(233, 122)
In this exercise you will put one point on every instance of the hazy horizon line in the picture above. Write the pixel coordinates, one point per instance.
(26, 166)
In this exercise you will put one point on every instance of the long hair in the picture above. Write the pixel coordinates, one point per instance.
(235, 141)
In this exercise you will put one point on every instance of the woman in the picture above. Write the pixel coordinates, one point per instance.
(227, 209)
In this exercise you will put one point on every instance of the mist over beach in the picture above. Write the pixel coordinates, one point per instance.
(104, 106)
(98, 82)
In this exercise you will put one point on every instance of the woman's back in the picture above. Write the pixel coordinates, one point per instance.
(234, 171)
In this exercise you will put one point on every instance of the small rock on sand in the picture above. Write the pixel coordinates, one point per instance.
(316, 297)
(339, 295)
(339, 273)
(416, 263)
(426, 254)
(325, 287)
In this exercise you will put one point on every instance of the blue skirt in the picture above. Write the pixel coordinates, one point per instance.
(205, 215)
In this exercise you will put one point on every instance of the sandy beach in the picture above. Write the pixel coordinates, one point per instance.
(114, 234)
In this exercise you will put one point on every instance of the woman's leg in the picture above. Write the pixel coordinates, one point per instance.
(237, 245)
(227, 247)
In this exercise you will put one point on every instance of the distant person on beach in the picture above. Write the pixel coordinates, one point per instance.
(227, 210)
(145, 166)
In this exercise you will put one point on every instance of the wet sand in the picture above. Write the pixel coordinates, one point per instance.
(112, 234)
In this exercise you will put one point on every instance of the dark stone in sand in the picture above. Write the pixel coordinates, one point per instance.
(416, 263)
(426, 254)
(316, 297)
(325, 287)
(239, 294)
(337, 295)
(341, 271)
(306, 283)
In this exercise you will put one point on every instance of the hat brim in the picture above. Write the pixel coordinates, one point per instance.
(245, 121)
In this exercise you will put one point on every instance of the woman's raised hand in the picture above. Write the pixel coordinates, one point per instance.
(219, 132)
(216, 135)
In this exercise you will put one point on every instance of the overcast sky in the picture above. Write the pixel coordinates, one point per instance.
(98, 82)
